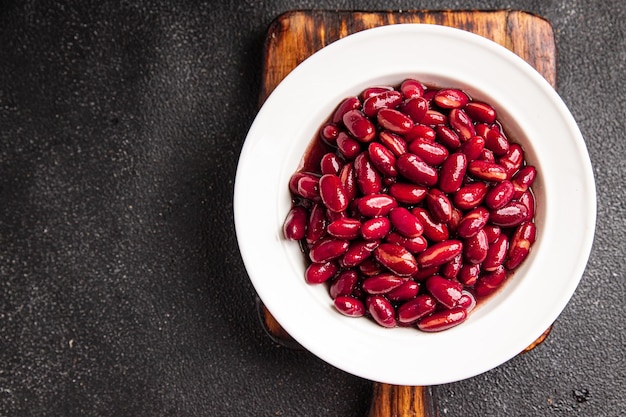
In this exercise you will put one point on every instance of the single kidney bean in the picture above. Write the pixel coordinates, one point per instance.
(383, 159)
(513, 160)
(385, 100)
(374, 205)
(480, 112)
(407, 193)
(420, 131)
(348, 146)
(415, 170)
(428, 151)
(374, 91)
(306, 186)
(492, 231)
(528, 199)
(332, 193)
(487, 155)
(329, 133)
(489, 282)
(434, 231)
(330, 164)
(439, 253)
(442, 320)
(375, 228)
(413, 244)
(405, 222)
(394, 121)
(496, 254)
(473, 147)
(450, 98)
(344, 284)
(446, 291)
(521, 241)
(381, 310)
(462, 124)
(370, 267)
(350, 103)
(358, 252)
(328, 249)
(474, 221)
(413, 310)
(448, 137)
(500, 195)
(510, 215)
(485, 170)
(395, 143)
(316, 227)
(359, 125)
(407, 290)
(523, 179)
(349, 306)
(382, 283)
(496, 142)
(434, 118)
(475, 247)
(415, 108)
(316, 273)
(452, 268)
(294, 227)
(452, 173)
(469, 273)
(368, 178)
(347, 176)
(467, 301)
(411, 88)
(396, 258)
(439, 205)
(470, 196)
(344, 228)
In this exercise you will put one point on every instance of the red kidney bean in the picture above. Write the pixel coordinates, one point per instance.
(439, 206)
(489, 282)
(349, 306)
(470, 196)
(485, 170)
(411, 88)
(368, 178)
(405, 222)
(374, 91)
(439, 253)
(374, 205)
(496, 142)
(382, 283)
(446, 291)
(415, 170)
(413, 310)
(316, 226)
(316, 273)
(413, 244)
(473, 221)
(442, 320)
(294, 227)
(395, 143)
(407, 193)
(523, 179)
(510, 215)
(429, 151)
(358, 252)
(406, 291)
(420, 131)
(344, 228)
(462, 124)
(347, 176)
(452, 173)
(528, 199)
(487, 156)
(396, 258)
(480, 112)
(469, 273)
(492, 231)
(450, 98)
(452, 268)
(348, 146)
(473, 147)
(350, 103)
(496, 254)
(513, 160)
(344, 284)
(434, 231)
(332, 193)
(330, 164)
(425, 273)
(376, 228)
(475, 247)
(328, 249)
(370, 267)
(467, 301)
(381, 310)
(394, 121)
(384, 100)
(383, 159)
(359, 125)
(500, 195)
(448, 137)
(305, 185)
(434, 118)
(521, 241)
(329, 133)
(415, 108)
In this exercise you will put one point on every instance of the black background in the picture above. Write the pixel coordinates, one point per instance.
(122, 291)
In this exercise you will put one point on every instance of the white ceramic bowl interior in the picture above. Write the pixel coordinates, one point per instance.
(534, 116)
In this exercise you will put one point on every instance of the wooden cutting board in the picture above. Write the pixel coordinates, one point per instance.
(295, 35)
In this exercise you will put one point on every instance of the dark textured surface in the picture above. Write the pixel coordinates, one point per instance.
(122, 292)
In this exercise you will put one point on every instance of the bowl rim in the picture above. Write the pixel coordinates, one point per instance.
(271, 261)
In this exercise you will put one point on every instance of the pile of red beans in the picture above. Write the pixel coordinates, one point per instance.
(411, 205)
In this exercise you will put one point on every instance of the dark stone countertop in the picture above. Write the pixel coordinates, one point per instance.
(122, 291)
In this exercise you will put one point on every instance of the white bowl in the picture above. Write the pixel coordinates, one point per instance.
(534, 115)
